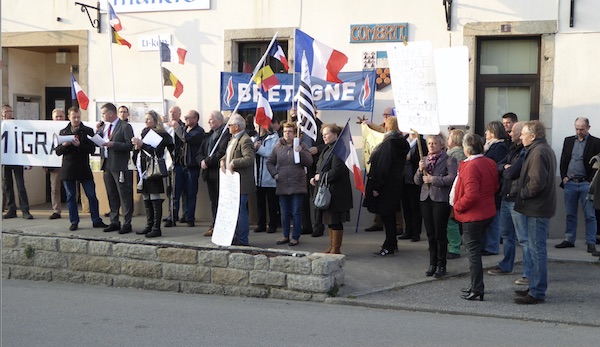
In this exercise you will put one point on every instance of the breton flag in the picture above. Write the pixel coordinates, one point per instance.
(266, 78)
(277, 52)
(170, 80)
(77, 93)
(172, 54)
(113, 20)
(344, 149)
(323, 62)
(264, 114)
(306, 110)
(116, 38)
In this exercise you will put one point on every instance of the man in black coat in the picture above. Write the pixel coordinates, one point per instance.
(76, 167)
(209, 162)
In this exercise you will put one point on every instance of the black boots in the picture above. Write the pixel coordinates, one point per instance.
(149, 218)
(157, 212)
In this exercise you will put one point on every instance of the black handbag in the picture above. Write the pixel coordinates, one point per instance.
(155, 167)
(323, 195)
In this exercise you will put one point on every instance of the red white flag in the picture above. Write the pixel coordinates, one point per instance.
(277, 52)
(113, 20)
(77, 93)
(264, 114)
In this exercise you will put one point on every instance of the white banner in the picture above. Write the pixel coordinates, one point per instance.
(33, 142)
(229, 197)
(414, 86)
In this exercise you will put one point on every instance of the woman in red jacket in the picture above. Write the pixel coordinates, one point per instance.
(474, 206)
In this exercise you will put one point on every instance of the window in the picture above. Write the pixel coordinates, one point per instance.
(249, 55)
(508, 79)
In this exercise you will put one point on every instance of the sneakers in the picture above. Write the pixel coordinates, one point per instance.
(565, 244)
(524, 281)
(498, 272)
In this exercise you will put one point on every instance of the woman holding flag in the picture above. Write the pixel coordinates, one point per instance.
(334, 170)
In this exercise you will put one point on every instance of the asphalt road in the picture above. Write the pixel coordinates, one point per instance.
(57, 314)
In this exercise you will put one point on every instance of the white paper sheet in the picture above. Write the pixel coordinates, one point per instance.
(152, 138)
(97, 139)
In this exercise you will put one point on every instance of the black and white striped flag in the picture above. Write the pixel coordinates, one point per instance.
(306, 111)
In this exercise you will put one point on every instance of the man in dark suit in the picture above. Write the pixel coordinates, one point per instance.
(76, 167)
(209, 162)
(576, 173)
(118, 179)
(7, 181)
(240, 157)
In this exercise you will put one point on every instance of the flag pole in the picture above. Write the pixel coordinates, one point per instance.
(162, 88)
(112, 67)
(247, 91)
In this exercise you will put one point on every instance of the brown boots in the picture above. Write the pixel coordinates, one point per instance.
(335, 241)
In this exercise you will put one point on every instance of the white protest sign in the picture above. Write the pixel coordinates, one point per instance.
(414, 86)
(452, 80)
(229, 207)
(32, 142)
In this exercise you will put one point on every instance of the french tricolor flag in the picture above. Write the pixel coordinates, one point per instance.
(324, 62)
(113, 19)
(77, 93)
(172, 54)
(344, 149)
(264, 114)
(277, 52)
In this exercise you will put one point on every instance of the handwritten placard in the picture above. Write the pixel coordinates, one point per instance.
(414, 86)
(227, 213)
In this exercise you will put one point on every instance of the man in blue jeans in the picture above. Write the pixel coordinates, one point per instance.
(576, 173)
(536, 199)
(512, 223)
(76, 167)
(191, 136)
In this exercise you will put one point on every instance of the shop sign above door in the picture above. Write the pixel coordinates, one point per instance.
(124, 6)
(389, 32)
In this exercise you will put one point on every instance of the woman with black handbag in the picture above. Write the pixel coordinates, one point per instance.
(147, 159)
(335, 173)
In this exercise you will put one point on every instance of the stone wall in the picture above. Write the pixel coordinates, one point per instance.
(169, 266)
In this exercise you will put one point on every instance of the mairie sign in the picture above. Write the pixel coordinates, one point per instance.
(356, 93)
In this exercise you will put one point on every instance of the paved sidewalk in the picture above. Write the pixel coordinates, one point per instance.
(399, 281)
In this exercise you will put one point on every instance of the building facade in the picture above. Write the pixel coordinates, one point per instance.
(537, 58)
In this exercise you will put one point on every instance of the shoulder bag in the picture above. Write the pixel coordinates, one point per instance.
(323, 195)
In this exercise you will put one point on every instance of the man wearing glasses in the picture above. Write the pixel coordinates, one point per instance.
(191, 136)
(240, 157)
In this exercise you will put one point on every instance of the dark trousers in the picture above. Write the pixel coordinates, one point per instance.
(192, 175)
(212, 186)
(179, 193)
(473, 236)
(119, 189)
(389, 223)
(412, 210)
(267, 200)
(9, 190)
(435, 216)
